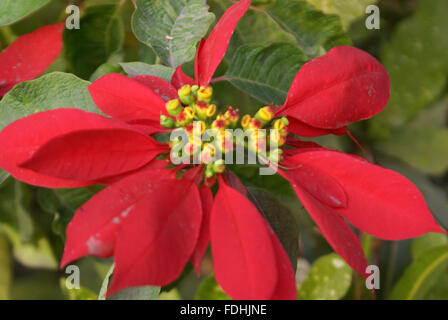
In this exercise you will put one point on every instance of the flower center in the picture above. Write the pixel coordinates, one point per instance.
(201, 136)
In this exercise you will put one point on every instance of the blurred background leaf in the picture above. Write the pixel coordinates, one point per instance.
(13, 10)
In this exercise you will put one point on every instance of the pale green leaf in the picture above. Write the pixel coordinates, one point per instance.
(209, 289)
(421, 275)
(14, 10)
(266, 73)
(76, 294)
(134, 69)
(315, 32)
(427, 242)
(5, 268)
(51, 91)
(172, 27)
(416, 60)
(329, 279)
(348, 10)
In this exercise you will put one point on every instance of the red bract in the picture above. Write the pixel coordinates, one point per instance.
(152, 222)
(29, 55)
(332, 91)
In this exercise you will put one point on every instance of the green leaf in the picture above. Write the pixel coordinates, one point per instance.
(134, 69)
(280, 219)
(76, 294)
(13, 10)
(315, 32)
(421, 275)
(101, 34)
(134, 293)
(266, 73)
(416, 61)
(423, 147)
(51, 91)
(105, 68)
(172, 27)
(427, 242)
(5, 268)
(347, 10)
(63, 203)
(209, 289)
(329, 279)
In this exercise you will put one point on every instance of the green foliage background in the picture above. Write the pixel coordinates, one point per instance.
(270, 44)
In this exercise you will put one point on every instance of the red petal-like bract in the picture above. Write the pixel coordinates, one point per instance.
(204, 235)
(323, 187)
(20, 140)
(159, 236)
(286, 280)
(300, 128)
(180, 79)
(341, 87)
(107, 148)
(243, 254)
(94, 227)
(381, 202)
(335, 230)
(126, 99)
(29, 55)
(163, 88)
(212, 51)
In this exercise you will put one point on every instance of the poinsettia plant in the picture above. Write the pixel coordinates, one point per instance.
(169, 145)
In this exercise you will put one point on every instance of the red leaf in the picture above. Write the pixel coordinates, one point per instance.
(180, 79)
(302, 129)
(162, 87)
(126, 99)
(286, 282)
(318, 183)
(381, 202)
(94, 154)
(20, 140)
(159, 236)
(204, 235)
(29, 55)
(94, 227)
(212, 51)
(335, 230)
(243, 255)
(341, 87)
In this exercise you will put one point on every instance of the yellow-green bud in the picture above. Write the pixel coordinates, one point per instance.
(166, 122)
(186, 95)
(205, 94)
(264, 115)
(173, 107)
(219, 166)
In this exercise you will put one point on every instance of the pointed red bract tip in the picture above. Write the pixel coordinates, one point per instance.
(343, 86)
(243, 253)
(211, 52)
(29, 55)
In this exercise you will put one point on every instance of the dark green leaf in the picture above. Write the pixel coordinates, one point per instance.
(280, 219)
(172, 27)
(315, 32)
(100, 35)
(266, 73)
(105, 68)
